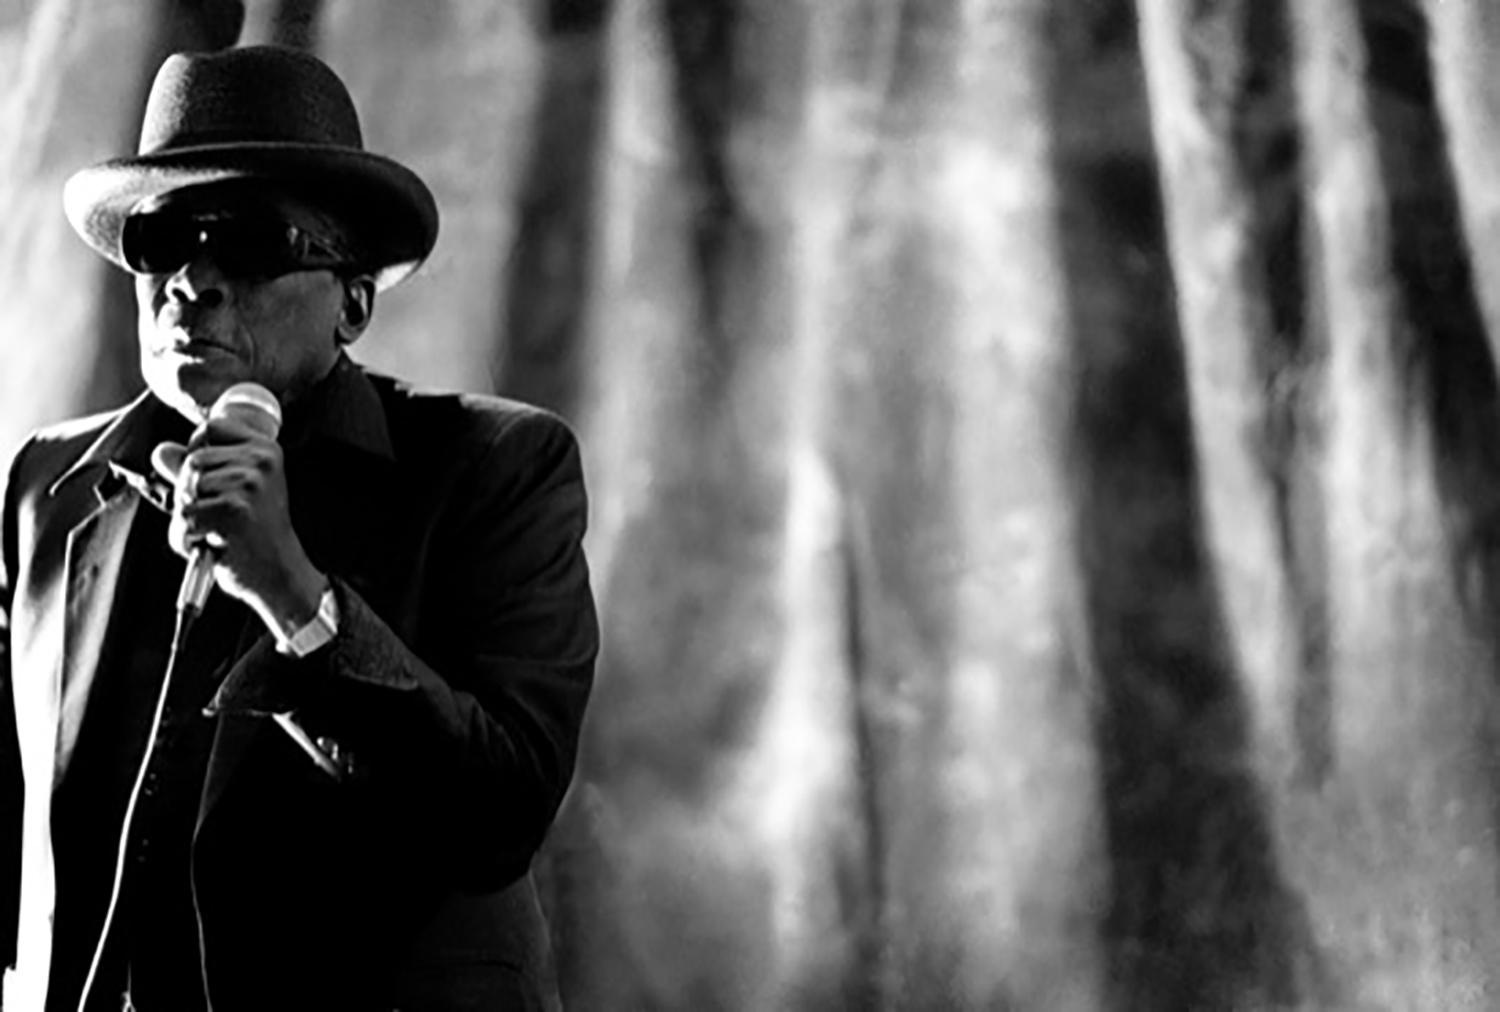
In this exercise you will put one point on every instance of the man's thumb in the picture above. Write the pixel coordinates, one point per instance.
(167, 459)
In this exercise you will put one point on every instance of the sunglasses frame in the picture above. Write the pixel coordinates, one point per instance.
(284, 247)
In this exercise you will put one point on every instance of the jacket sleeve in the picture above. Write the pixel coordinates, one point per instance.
(475, 732)
(10, 759)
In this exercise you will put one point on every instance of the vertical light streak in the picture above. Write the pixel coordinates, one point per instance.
(1195, 68)
(688, 461)
(808, 782)
(629, 338)
(996, 847)
(1382, 851)
(1465, 35)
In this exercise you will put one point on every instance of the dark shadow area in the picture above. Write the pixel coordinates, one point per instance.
(549, 270)
(863, 891)
(712, 90)
(702, 39)
(569, 17)
(1453, 367)
(1200, 915)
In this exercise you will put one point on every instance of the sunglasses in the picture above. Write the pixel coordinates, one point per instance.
(241, 245)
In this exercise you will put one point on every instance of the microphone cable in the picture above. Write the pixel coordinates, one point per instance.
(186, 617)
(196, 586)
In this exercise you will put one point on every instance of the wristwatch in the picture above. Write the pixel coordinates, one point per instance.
(318, 630)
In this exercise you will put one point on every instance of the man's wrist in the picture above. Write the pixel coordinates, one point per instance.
(321, 628)
(296, 607)
(293, 603)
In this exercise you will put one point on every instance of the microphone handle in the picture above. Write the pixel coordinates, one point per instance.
(197, 581)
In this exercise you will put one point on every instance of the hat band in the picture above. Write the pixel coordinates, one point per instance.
(213, 138)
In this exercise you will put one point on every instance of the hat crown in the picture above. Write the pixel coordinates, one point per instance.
(266, 113)
(256, 94)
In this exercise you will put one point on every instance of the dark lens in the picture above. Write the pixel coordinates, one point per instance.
(250, 247)
(242, 246)
(158, 243)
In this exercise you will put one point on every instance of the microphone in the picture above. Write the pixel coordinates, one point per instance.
(255, 406)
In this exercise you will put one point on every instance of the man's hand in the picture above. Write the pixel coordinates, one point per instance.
(231, 499)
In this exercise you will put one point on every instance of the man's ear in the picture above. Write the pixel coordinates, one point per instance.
(358, 307)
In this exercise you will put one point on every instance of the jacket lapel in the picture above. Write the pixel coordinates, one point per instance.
(93, 557)
(93, 550)
(107, 496)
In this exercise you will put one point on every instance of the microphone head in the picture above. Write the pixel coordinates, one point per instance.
(252, 404)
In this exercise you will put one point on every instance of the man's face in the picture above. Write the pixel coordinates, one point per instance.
(224, 317)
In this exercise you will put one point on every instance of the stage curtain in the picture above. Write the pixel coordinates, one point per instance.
(1044, 459)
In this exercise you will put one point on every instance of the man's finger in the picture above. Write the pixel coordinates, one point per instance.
(214, 458)
(210, 485)
(226, 430)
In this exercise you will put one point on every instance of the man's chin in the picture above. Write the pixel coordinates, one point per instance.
(191, 386)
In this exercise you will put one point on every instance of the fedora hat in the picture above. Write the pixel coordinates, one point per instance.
(263, 113)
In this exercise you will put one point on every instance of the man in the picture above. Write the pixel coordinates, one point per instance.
(333, 799)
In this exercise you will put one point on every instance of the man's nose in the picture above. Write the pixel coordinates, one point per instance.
(199, 281)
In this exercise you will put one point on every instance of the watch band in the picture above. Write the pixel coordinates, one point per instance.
(320, 629)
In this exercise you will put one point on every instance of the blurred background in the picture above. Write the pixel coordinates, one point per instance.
(1045, 485)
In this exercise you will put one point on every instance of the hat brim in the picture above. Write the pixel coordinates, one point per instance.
(392, 211)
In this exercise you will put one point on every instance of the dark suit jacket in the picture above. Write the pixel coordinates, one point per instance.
(451, 526)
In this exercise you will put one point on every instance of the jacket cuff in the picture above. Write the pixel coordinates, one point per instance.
(364, 650)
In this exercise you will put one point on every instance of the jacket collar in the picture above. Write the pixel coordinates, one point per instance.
(343, 409)
(122, 450)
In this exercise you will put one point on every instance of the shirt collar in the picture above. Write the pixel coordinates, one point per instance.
(343, 409)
